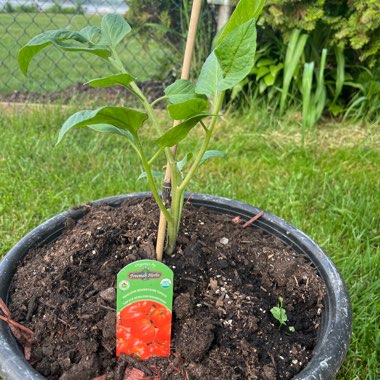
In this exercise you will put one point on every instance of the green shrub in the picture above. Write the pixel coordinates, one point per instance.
(348, 29)
(8, 8)
(153, 11)
(25, 8)
(365, 104)
(57, 8)
(352, 24)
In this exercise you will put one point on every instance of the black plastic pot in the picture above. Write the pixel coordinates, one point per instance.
(335, 329)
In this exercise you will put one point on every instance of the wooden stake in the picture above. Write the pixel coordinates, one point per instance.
(194, 19)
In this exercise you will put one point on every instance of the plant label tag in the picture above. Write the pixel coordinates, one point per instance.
(144, 309)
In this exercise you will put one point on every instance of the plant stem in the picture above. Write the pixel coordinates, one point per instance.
(205, 144)
(153, 187)
(174, 210)
(178, 191)
(158, 100)
(150, 162)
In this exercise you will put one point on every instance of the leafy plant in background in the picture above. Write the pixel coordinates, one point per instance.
(313, 104)
(266, 73)
(196, 104)
(293, 55)
(365, 104)
(338, 81)
(8, 8)
(348, 24)
(348, 29)
(33, 8)
(59, 9)
(23, 8)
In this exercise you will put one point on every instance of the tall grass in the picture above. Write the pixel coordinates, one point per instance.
(340, 72)
(294, 53)
(313, 104)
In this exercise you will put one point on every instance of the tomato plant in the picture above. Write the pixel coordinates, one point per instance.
(196, 104)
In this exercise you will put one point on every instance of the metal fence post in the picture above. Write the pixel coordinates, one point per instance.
(225, 10)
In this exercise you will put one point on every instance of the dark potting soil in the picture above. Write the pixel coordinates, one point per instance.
(226, 281)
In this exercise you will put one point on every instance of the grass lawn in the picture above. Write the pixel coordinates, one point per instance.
(16, 29)
(329, 189)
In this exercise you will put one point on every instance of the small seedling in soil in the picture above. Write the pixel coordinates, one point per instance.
(279, 313)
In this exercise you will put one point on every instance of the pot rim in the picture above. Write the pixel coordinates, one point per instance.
(336, 327)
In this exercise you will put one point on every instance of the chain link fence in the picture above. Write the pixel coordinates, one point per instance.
(153, 51)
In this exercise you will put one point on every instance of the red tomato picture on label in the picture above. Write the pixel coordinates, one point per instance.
(161, 316)
(143, 329)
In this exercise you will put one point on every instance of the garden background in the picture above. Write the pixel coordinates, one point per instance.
(301, 135)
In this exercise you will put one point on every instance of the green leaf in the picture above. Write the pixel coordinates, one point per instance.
(114, 28)
(336, 109)
(181, 164)
(212, 154)
(155, 174)
(210, 77)
(245, 11)
(94, 49)
(269, 79)
(91, 33)
(112, 80)
(188, 109)
(237, 89)
(261, 72)
(123, 118)
(275, 69)
(179, 132)
(181, 91)
(57, 38)
(340, 72)
(265, 62)
(320, 93)
(236, 54)
(294, 53)
(307, 107)
(262, 86)
(107, 128)
(279, 313)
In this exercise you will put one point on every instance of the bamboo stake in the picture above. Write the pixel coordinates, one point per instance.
(194, 19)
